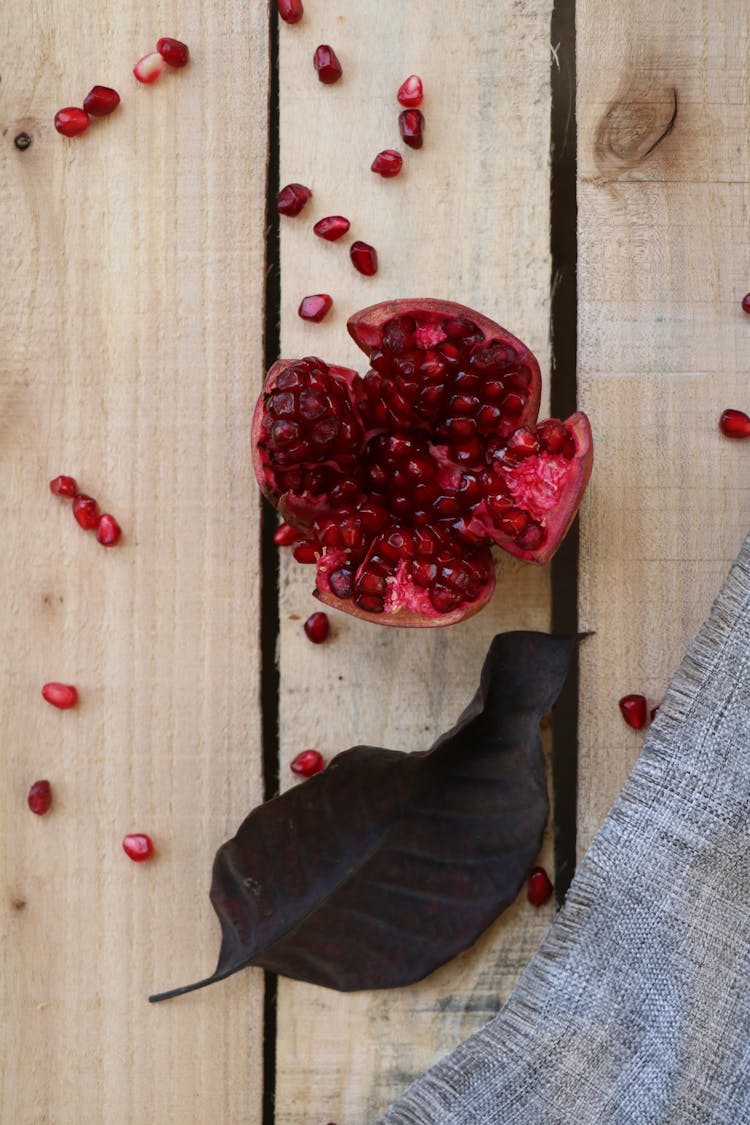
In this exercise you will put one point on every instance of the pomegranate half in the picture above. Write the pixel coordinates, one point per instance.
(403, 479)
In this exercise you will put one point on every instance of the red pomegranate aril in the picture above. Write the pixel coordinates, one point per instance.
(341, 582)
(327, 65)
(634, 710)
(291, 11)
(101, 101)
(513, 522)
(108, 530)
(173, 52)
(148, 69)
(746, 303)
(64, 486)
(286, 536)
(411, 127)
(62, 696)
(86, 511)
(387, 163)
(315, 307)
(40, 797)
(369, 603)
(364, 258)
(307, 763)
(317, 627)
(332, 227)
(138, 846)
(306, 551)
(292, 198)
(71, 121)
(423, 573)
(410, 92)
(539, 887)
(735, 424)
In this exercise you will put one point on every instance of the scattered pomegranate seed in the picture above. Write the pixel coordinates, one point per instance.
(291, 11)
(327, 65)
(292, 198)
(148, 69)
(71, 121)
(307, 763)
(735, 424)
(86, 511)
(173, 52)
(317, 628)
(64, 486)
(63, 696)
(138, 846)
(411, 127)
(387, 163)
(315, 307)
(539, 889)
(746, 303)
(101, 100)
(364, 258)
(108, 530)
(40, 797)
(410, 92)
(332, 227)
(634, 710)
(286, 536)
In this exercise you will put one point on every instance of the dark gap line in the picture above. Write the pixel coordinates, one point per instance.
(564, 394)
(269, 554)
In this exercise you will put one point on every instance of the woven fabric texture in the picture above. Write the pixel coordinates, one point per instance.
(636, 1009)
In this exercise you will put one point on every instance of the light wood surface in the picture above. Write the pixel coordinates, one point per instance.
(129, 361)
(467, 220)
(664, 347)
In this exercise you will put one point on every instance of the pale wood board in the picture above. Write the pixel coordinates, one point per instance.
(132, 325)
(664, 261)
(467, 220)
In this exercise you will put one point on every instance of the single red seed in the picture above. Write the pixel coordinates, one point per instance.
(411, 127)
(306, 551)
(71, 121)
(317, 628)
(327, 65)
(64, 486)
(63, 696)
(173, 52)
(307, 763)
(735, 424)
(138, 846)
(86, 511)
(387, 163)
(410, 92)
(40, 797)
(148, 69)
(292, 198)
(746, 303)
(315, 307)
(101, 100)
(108, 530)
(539, 888)
(634, 709)
(332, 227)
(286, 536)
(291, 11)
(364, 258)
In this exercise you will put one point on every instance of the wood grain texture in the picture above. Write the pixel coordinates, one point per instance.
(130, 361)
(664, 253)
(467, 220)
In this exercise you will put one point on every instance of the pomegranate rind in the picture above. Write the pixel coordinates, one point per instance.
(366, 329)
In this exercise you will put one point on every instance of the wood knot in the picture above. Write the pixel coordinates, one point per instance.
(18, 903)
(22, 141)
(631, 130)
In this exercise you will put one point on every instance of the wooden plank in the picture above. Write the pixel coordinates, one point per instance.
(131, 362)
(467, 220)
(664, 347)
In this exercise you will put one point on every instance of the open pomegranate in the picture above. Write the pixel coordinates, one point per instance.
(402, 480)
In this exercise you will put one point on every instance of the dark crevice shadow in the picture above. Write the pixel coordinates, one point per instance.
(269, 555)
(564, 344)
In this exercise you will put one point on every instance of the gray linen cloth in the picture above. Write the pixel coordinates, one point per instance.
(637, 1006)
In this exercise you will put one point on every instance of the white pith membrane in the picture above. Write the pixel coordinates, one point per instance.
(518, 474)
